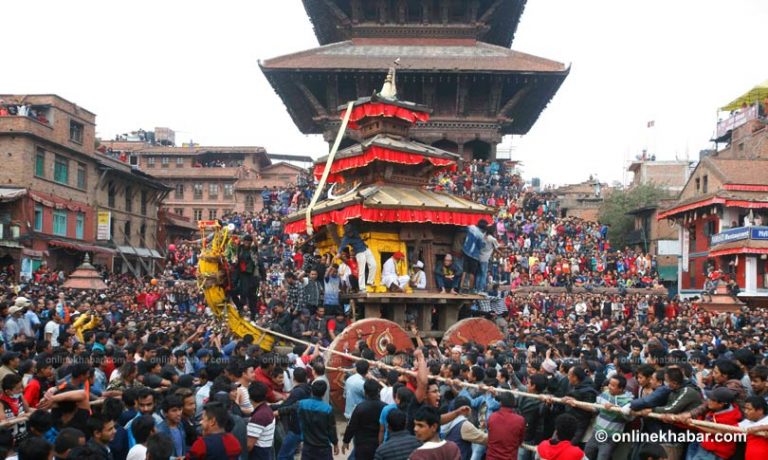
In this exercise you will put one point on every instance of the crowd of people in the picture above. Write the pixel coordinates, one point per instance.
(22, 109)
(157, 376)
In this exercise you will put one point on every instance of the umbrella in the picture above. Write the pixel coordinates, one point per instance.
(756, 94)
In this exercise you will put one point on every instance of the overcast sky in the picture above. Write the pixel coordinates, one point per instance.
(193, 66)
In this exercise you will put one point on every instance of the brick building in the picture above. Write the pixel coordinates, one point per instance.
(723, 209)
(659, 238)
(582, 200)
(56, 186)
(208, 182)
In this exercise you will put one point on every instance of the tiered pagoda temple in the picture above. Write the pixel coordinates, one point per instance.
(455, 56)
(379, 185)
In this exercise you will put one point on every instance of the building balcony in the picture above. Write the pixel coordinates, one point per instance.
(26, 125)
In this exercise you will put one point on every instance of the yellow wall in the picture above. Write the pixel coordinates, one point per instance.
(377, 242)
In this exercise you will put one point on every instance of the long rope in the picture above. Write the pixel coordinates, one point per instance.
(327, 170)
(546, 398)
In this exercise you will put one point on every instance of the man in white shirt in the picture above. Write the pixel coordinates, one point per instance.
(389, 276)
(419, 278)
(52, 330)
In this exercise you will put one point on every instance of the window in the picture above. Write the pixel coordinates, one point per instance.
(710, 228)
(179, 162)
(81, 180)
(213, 190)
(144, 199)
(111, 194)
(143, 234)
(150, 162)
(250, 203)
(80, 226)
(704, 184)
(178, 211)
(692, 273)
(698, 185)
(61, 170)
(40, 163)
(128, 199)
(75, 131)
(60, 222)
(164, 162)
(38, 218)
(179, 193)
(198, 214)
(197, 191)
(127, 232)
(212, 214)
(229, 190)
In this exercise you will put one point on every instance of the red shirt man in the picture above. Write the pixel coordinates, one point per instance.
(506, 430)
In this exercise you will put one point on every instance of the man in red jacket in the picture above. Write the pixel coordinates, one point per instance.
(506, 430)
(720, 409)
(559, 447)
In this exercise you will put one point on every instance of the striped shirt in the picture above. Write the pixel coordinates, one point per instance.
(399, 446)
(262, 426)
(609, 421)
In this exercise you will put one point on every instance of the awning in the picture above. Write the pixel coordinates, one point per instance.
(139, 252)
(10, 244)
(382, 109)
(11, 194)
(80, 247)
(376, 153)
(756, 94)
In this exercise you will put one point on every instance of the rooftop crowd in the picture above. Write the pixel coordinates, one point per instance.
(158, 377)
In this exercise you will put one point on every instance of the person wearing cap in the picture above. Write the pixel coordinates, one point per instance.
(13, 327)
(722, 410)
(390, 277)
(418, 277)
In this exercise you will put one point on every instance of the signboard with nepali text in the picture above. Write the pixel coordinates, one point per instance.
(104, 227)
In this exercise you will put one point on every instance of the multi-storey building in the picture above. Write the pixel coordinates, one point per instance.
(582, 200)
(454, 56)
(61, 198)
(722, 211)
(208, 182)
(659, 238)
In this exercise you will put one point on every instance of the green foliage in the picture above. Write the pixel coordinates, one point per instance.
(619, 202)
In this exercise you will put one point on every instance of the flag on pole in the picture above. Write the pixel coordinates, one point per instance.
(651, 123)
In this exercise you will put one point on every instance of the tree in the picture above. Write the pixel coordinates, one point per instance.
(619, 202)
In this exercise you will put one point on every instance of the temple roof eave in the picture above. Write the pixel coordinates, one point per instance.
(385, 141)
(393, 197)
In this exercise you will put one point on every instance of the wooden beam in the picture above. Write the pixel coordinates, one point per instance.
(319, 109)
(513, 101)
(491, 11)
(337, 12)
